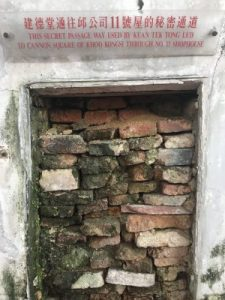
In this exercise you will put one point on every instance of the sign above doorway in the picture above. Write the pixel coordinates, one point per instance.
(105, 35)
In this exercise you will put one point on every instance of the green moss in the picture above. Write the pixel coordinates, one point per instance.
(212, 276)
(218, 250)
(9, 284)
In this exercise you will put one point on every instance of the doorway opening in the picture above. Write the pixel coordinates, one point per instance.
(114, 183)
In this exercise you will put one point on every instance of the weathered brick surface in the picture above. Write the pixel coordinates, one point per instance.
(145, 143)
(174, 190)
(158, 199)
(92, 134)
(136, 223)
(175, 157)
(70, 236)
(65, 115)
(177, 174)
(114, 147)
(122, 199)
(162, 238)
(132, 114)
(101, 227)
(137, 129)
(133, 158)
(140, 172)
(174, 125)
(118, 197)
(185, 140)
(61, 161)
(154, 210)
(171, 261)
(63, 144)
(101, 242)
(99, 117)
(128, 252)
(59, 180)
(129, 278)
(142, 187)
(106, 103)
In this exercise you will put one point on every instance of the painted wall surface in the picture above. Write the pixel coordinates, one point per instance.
(14, 137)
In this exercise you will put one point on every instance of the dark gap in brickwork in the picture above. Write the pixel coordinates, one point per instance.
(117, 196)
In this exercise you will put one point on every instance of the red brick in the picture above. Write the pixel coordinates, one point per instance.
(99, 117)
(131, 114)
(154, 210)
(137, 223)
(138, 129)
(106, 103)
(175, 189)
(174, 125)
(65, 115)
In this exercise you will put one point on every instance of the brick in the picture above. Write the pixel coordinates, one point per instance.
(122, 199)
(63, 144)
(140, 172)
(162, 238)
(175, 157)
(101, 259)
(96, 206)
(98, 242)
(151, 156)
(171, 261)
(174, 125)
(133, 158)
(177, 174)
(158, 199)
(145, 143)
(130, 278)
(99, 117)
(170, 273)
(139, 266)
(92, 134)
(67, 198)
(178, 285)
(142, 187)
(89, 280)
(101, 227)
(95, 181)
(137, 129)
(96, 165)
(106, 103)
(113, 190)
(60, 161)
(70, 236)
(59, 180)
(185, 140)
(59, 222)
(173, 190)
(110, 296)
(136, 223)
(132, 114)
(130, 253)
(153, 210)
(167, 252)
(65, 115)
(57, 211)
(112, 148)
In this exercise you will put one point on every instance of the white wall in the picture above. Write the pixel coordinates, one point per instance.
(14, 169)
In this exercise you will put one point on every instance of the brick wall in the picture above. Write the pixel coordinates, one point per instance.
(117, 184)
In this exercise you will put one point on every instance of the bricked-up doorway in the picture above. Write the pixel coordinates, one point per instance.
(114, 188)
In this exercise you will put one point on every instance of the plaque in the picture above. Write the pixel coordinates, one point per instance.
(105, 35)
